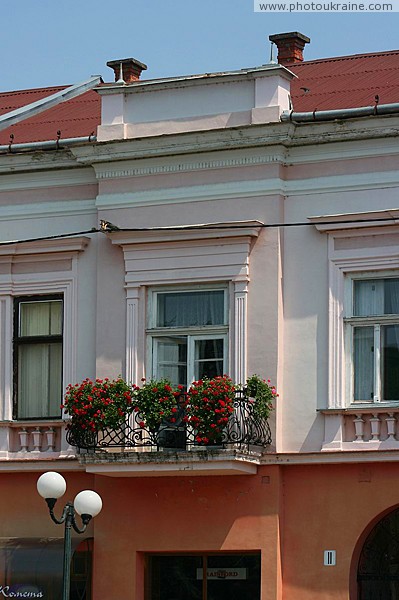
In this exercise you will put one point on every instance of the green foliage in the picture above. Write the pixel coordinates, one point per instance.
(263, 393)
(156, 401)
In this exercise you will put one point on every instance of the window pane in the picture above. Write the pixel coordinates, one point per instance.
(175, 578)
(391, 304)
(39, 380)
(363, 343)
(172, 359)
(390, 362)
(233, 576)
(190, 309)
(208, 360)
(41, 318)
(369, 298)
(376, 297)
(208, 349)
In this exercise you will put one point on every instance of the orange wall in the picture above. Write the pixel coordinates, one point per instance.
(183, 514)
(310, 508)
(330, 507)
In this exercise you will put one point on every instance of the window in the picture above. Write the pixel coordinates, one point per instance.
(206, 576)
(374, 339)
(188, 334)
(38, 328)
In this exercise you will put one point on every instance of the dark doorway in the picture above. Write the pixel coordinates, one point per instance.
(204, 577)
(378, 570)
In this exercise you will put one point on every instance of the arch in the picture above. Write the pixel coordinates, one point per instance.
(375, 561)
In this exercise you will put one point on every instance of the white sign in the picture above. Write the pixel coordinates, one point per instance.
(223, 574)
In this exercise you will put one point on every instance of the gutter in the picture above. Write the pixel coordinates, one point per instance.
(47, 145)
(342, 113)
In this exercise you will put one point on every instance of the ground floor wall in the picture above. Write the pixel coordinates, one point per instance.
(289, 515)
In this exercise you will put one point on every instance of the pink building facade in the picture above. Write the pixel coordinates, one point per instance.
(213, 193)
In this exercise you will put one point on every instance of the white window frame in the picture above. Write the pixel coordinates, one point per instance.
(376, 322)
(346, 263)
(39, 284)
(192, 334)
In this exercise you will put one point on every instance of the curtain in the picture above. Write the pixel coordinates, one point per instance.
(39, 380)
(41, 318)
(363, 342)
(369, 298)
(190, 309)
(171, 355)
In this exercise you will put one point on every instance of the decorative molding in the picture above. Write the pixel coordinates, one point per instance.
(132, 326)
(104, 172)
(339, 151)
(336, 223)
(359, 258)
(251, 188)
(197, 232)
(13, 212)
(51, 247)
(47, 179)
(6, 325)
(188, 257)
(309, 139)
(240, 331)
(216, 191)
(64, 282)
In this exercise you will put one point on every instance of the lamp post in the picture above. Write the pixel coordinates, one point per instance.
(87, 504)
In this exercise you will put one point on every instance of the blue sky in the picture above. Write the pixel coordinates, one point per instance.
(49, 42)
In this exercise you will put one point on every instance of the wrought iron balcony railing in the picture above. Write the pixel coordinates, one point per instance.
(244, 428)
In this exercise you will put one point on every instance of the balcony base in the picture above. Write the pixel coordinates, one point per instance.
(153, 464)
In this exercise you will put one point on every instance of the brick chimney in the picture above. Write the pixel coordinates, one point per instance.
(290, 46)
(131, 69)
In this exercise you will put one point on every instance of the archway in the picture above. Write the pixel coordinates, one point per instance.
(378, 567)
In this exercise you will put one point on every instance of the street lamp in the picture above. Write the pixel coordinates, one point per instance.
(87, 504)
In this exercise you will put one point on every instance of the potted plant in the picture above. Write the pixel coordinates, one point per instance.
(155, 402)
(261, 394)
(209, 405)
(98, 405)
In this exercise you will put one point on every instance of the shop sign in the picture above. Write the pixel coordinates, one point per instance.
(20, 591)
(223, 574)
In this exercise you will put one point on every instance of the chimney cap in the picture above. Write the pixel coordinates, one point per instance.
(126, 61)
(290, 47)
(277, 37)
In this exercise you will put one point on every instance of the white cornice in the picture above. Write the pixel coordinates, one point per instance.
(46, 179)
(312, 140)
(251, 188)
(47, 209)
(231, 229)
(36, 161)
(71, 244)
(217, 191)
(337, 222)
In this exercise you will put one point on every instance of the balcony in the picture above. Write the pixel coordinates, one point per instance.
(36, 440)
(361, 428)
(133, 449)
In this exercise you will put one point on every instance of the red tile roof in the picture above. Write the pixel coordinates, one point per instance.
(78, 117)
(346, 81)
(324, 84)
